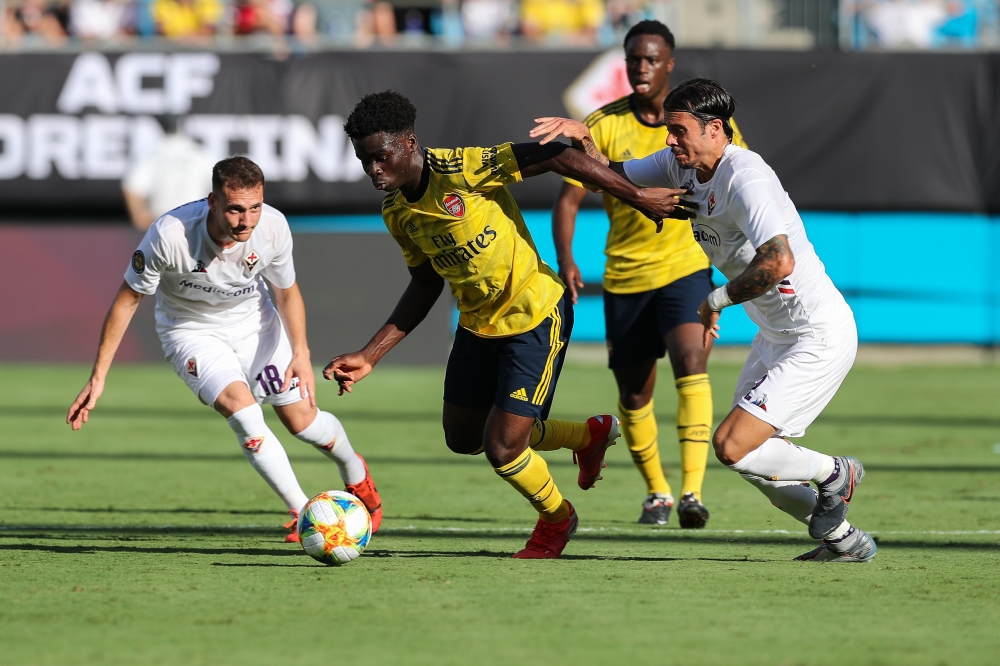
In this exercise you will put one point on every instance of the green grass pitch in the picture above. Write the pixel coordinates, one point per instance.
(147, 539)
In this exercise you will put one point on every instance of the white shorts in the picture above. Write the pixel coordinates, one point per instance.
(788, 385)
(256, 354)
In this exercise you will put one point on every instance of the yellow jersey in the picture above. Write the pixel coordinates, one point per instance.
(469, 227)
(639, 259)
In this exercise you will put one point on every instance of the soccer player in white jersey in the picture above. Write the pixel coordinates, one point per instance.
(751, 231)
(207, 263)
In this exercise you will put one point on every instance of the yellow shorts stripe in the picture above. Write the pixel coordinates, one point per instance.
(555, 345)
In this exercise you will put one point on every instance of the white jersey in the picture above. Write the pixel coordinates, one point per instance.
(199, 285)
(739, 209)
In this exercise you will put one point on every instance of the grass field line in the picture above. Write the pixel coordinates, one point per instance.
(389, 531)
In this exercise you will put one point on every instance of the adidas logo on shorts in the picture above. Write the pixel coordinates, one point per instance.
(520, 394)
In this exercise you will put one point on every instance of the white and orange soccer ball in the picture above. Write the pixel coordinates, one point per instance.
(334, 527)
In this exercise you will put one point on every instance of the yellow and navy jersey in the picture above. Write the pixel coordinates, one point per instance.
(470, 229)
(639, 259)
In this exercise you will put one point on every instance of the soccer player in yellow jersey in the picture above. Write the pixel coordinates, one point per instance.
(653, 285)
(452, 215)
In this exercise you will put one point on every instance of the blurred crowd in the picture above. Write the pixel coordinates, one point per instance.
(862, 24)
(361, 22)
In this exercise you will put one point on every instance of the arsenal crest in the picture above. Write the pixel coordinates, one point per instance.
(711, 202)
(454, 205)
(192, 367)
(251, 260)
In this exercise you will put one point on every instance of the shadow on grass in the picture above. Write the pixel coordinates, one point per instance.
(111, 509)
(153, 456)
(664, 537)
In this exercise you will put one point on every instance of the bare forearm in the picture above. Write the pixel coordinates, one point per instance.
(564, 221)
(292, 309)
(413, 307)
(141, 216)
(115, 324)
(772, 264)
(535, 159)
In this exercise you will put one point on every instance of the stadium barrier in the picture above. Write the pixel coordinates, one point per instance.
(844, 131)
(59, 281)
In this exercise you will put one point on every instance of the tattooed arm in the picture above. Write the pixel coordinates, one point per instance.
(772, 264)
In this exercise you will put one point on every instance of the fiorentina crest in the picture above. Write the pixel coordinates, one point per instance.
(454, 205)
(711, 202)
(192, 367)
(251, 260)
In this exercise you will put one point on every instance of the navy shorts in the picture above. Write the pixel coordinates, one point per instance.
(517, 374)
(637, 324)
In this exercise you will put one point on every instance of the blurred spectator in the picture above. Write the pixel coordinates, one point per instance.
(906, 23)
(177, 171)
(98, 19)
(384, 22)
(36, 18)
(263, 16)
(486, 19)
(187, 18)
(572, 21)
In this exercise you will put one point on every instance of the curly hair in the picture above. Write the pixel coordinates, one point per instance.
(386, 111)
(705, 100)
(238, 173)
(650, 28)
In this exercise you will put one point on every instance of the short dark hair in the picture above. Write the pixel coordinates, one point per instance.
(238, 173)
(705, 100)
(648, 27)
(385, 111)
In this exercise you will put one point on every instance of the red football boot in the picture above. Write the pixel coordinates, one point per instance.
(293, 525)
(368, 494)
(549, 539)
(603, 433)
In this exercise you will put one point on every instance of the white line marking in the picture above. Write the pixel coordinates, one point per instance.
(474, 530)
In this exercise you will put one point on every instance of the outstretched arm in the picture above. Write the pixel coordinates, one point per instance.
(772, 264)
(292, 309)
(115, 325)
(534, 159)
(418, 299)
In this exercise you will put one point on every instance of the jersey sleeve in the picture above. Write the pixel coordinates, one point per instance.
(652, 171)
(148, 262)
(412, 254)
(141, 178)
(281, 271)
(754, 209)
(487, 168)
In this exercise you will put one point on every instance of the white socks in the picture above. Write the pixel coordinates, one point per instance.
(796, 498)
(328, 435)
(266, 455)
(777, 459)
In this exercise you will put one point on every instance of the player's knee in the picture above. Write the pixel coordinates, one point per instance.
(726, 447)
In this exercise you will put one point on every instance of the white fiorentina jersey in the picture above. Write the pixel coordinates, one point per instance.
(199, 285)
(739, 209)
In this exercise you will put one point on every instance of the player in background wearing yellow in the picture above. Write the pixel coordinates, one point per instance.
(653, 285)
(452, 215)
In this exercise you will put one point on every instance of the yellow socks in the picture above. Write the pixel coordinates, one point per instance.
(694, 429)
(639, 428)
(529, 474)
(552, 435)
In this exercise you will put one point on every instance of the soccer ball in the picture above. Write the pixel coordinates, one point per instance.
(334, 527)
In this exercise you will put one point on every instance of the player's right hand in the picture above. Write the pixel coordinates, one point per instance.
(570, 274)
(79, 411)
(347, 369)
(710, 321)
(660, 203)
(553, 127)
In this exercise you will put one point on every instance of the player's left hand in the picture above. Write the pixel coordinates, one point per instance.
(302, 368)
(710, 320)
(553, 127)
